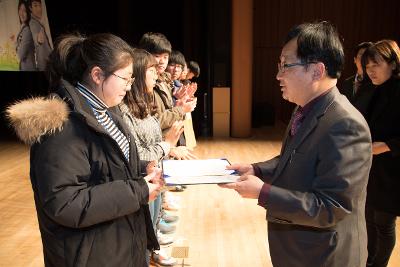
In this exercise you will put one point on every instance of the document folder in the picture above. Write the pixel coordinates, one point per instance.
(189, 172)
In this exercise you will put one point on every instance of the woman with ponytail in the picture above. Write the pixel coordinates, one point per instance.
(91, 190)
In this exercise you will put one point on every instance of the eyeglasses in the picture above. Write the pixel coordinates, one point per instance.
(176, 66)
(283, 66)
(152, 71)
(129, 81)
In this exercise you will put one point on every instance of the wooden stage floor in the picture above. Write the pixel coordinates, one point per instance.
(220, 228)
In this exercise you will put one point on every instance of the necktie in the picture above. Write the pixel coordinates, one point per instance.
(297, 119)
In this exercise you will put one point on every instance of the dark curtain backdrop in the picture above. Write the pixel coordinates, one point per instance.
(356, 21)
(201, 30)
(185, 23)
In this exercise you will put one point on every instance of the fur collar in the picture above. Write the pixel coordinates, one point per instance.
(33, 118)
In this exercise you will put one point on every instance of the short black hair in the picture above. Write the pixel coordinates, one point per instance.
(29, 2)
(194, 67)
(319, 42)
(363, 45)
(177, 57)
(155, 43)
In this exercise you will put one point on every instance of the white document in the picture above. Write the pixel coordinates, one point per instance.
(208, 171)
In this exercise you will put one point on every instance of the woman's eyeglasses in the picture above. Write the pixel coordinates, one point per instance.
(129, 81)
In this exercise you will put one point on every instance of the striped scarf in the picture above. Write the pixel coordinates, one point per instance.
(102, 116)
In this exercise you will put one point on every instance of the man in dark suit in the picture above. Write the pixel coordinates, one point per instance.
(314, 191)
(358, 88)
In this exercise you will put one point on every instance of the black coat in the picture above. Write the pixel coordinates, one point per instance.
(361, 98)
(383, 117)
(91, 202)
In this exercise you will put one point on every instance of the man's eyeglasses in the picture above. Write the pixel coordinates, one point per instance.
(283, 66)
(129, 81)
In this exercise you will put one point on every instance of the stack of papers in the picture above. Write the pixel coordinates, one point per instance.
(208, 171)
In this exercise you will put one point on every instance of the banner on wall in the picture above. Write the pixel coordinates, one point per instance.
(25, 40)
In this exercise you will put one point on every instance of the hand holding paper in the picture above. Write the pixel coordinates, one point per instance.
(241, 168)
(248, 186)
(210, 171)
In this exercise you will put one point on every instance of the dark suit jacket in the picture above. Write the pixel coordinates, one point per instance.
(315, 207)
(361, 98)
(384, 120)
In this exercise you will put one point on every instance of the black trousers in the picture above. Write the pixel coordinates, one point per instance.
(381, 229)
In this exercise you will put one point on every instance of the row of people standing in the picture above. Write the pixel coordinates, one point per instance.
(375, 92)
(94, 155)
(154, 118)
(32, 42)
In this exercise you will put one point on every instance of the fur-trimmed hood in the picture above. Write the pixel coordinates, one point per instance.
(33, 118)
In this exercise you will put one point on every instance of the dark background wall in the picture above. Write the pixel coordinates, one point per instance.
(201, 29)
(198, 28)
(356, 21)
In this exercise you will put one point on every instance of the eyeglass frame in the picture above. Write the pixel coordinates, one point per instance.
(129, 81)
(282, 67)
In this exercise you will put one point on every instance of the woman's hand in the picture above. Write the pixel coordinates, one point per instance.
(189, 105)
(173, 134)
(182, 152)
(192, 89)
(154, 182)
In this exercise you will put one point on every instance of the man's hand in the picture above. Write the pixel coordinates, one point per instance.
(41, 37)
(241, 168)
(248, 186)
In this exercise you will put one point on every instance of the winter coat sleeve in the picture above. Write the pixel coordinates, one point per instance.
(73, 184)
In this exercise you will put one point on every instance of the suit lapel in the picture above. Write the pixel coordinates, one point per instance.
(308, 125)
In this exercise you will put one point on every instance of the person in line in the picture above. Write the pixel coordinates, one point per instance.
(315, 190)
(358, 88)
(138, 109)
(193, 70)
(25, 47)
(91, 190)
(167, 113)
(381, 62)
(184, 73)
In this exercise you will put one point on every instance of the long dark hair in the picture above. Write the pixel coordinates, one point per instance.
(139, 99)
(75, 55)
(27, 10)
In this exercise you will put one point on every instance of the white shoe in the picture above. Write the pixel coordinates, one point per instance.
(164, 239)
(171, 196)
(171, 205)
(161, 257)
